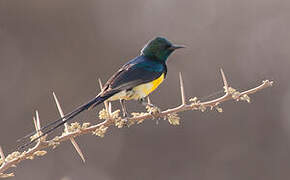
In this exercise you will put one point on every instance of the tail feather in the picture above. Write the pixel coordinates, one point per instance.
(59, 122)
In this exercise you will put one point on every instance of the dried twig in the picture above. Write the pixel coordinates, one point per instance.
(112, 118)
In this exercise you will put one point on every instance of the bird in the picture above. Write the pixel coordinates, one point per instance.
(135, 80)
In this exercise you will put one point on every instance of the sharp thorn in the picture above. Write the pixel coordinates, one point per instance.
(224, 80)
(58, 105)
(37, 121)
(182, 89)
(2, 155)
(101, 87)
(35, 124)
(60, 111)
(110, 108)
(100, 83)
(77, 148)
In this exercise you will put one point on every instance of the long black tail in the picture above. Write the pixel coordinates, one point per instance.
(59, 122)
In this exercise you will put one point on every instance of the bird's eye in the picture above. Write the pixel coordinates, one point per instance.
(167, 46)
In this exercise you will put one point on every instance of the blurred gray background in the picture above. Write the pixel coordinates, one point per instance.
(65, 45)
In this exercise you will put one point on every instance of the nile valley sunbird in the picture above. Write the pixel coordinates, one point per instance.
(133, 81)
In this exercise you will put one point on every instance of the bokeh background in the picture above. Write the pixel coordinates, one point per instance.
(65, 45)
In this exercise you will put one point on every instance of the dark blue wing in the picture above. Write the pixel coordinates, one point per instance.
(137, 71)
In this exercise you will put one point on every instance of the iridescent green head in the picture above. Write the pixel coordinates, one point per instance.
(159, 48)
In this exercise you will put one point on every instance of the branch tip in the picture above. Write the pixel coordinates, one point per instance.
(268, 83)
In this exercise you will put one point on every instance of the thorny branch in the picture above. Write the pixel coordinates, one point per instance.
(113, 119)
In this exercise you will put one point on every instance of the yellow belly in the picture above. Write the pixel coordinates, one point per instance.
(140, 91)
(144, 90)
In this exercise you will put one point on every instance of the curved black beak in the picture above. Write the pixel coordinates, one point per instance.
(173, 47)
